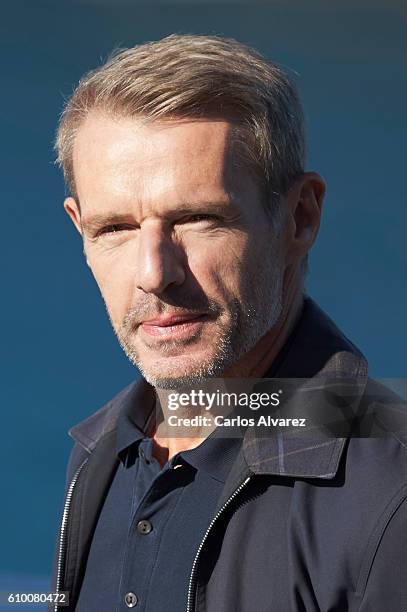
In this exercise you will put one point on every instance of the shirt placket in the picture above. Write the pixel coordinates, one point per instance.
(149, 513)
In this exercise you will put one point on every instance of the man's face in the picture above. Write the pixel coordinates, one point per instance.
(179, 243)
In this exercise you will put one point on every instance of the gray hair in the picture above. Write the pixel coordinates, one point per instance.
(187, 76)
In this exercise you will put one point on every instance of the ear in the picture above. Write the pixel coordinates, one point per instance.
(72, 209)
(304, 205)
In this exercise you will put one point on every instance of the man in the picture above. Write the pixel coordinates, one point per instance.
(185, 163)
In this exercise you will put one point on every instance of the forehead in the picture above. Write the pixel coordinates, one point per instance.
(128, 159)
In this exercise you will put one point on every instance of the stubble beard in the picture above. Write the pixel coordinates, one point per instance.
(249, 319)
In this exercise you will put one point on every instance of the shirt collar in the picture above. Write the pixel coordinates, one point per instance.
(134, 425)
(215, 455)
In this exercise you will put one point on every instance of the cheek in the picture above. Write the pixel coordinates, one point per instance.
(115, 280)
(220, 265)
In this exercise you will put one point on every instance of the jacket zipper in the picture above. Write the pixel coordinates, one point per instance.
(192, 578)
(63, 531)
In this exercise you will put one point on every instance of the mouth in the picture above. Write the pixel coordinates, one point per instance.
(171, 326)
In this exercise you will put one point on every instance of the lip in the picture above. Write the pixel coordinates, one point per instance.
(169, 320)
(181, 325)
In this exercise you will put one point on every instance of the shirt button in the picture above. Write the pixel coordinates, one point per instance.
(143, 456)
(144, 527)
(130, 599)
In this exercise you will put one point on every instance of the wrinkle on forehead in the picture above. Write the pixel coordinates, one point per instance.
(129, 161)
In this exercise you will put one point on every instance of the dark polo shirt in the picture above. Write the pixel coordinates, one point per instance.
(152, 523)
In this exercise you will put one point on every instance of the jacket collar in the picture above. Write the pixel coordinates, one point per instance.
(317, 351)
(315, 348)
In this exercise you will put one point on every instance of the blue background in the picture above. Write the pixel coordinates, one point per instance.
(60, 359)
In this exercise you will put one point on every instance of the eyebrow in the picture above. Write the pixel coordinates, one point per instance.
(98, 220)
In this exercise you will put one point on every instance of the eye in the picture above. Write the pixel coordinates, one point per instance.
(200, 217)
(113, 229)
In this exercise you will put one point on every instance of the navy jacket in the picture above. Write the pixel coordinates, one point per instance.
(298, 527)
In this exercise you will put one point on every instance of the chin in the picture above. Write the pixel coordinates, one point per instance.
(175, 372)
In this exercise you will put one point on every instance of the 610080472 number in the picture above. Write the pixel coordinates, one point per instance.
(61, 598)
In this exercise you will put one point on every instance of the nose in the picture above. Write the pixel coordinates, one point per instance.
(159, 261)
